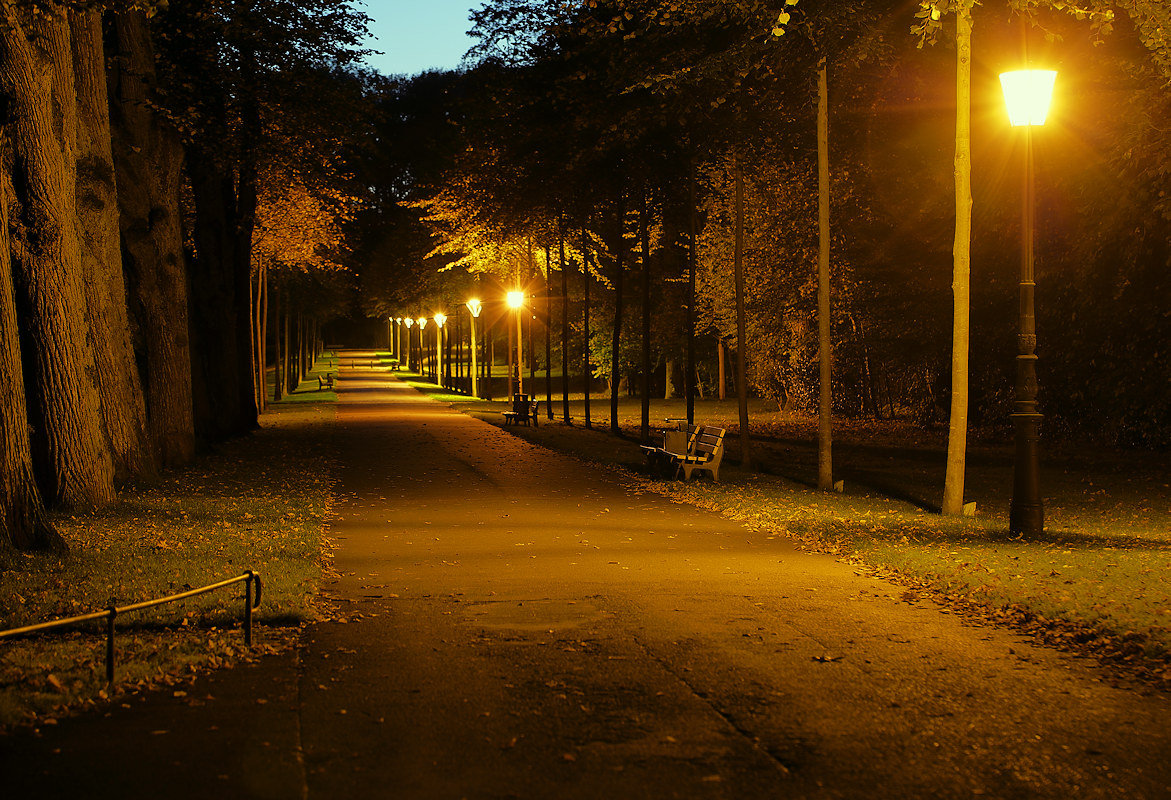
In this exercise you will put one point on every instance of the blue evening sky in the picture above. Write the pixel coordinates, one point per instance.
(417, 35)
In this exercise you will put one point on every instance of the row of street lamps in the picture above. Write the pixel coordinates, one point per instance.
(515, 300)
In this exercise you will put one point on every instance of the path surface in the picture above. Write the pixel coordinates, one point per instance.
(516, 624)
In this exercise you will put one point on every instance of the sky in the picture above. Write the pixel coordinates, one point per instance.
(417, 35)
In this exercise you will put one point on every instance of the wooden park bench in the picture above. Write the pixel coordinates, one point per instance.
(325, 382)
(523, 410)
(703, 450)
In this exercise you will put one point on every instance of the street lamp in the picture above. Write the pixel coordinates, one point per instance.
(474, 306)
(439, 318)
(1027, 94)
(408, 322)
(516, 301)
(422, 323)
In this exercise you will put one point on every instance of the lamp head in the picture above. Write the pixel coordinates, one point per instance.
(421, 322)
(409, 322)
(516, 299)
(440, 318)
(1027, 94)
(475, 306)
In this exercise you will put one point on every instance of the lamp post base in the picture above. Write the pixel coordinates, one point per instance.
(1026, 514)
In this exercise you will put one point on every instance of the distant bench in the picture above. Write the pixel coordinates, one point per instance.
(326, 382)
(698, 447)
(523, 410)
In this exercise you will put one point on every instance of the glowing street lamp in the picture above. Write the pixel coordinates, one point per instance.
(409, 323)
(1027, 95)
(440, 319)
(474, 306)
(516, 301)
(422, 323)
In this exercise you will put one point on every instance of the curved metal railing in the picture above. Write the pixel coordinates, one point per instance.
(251, 601)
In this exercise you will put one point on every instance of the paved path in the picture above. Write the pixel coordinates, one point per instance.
(516, 624)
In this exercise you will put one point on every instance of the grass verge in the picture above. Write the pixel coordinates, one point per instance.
(258, 503)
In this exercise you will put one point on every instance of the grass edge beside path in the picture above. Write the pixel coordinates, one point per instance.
(259, 502)
(1085, 589)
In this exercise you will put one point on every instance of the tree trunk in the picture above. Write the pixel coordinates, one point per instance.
(616, 340)
(23, 522)
(644, 238)
(548, 336)
(148, 160)
(586, 371)
(741, 338)
(278, 379)
(72, 462)
(957, 434)
(669, 382)
(564, 326)
(693, 232)
(825, 472)
(216, 350)
(122, 406)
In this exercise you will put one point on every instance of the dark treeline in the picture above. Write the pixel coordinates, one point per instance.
(168, 172)
(637, 148)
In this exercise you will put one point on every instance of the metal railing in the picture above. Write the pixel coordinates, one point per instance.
(251, 601)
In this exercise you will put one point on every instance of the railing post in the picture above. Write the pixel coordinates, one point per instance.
(113, 612)
(248, 609)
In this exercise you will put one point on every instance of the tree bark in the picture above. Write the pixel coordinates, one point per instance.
(122, 405)
(564, 327)
(23, 521)
(825, 472)
(278, 379)
(741, 337)
(586, 371)
(693, 232)
(957, 434)
(70, 456)
(548, 336)
(644, 238)
(616, 337)
(148, 161)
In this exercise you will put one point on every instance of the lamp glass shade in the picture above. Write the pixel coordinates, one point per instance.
(409, 322)
(440, 319)
(475, 307)
(516, 299)
(421, 322)
(1027, 94)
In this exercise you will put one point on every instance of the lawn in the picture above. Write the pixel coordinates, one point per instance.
(256, 503)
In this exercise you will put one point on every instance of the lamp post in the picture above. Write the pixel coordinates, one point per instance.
(408, 322)
(440, 319)
(1027, 94)
(474, 306)
(516, 301)
(422, 323)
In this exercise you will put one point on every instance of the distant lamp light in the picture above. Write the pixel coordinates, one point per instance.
(421, 322)
(440, 319)
(475, 306)
(516, 299)
(408, 322)
(1027, 94)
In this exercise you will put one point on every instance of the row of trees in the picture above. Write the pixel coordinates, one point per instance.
(159, 164)
(615, 154)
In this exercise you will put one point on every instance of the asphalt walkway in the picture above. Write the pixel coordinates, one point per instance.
(513, 623)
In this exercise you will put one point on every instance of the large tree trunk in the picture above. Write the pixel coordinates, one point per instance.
(741, 334)
(825, 472)
(548, 336)
(692, 244)
(216, 351)
(149, 162)
(72, 461)
(122, 406)
(957, 434)
(23, 522)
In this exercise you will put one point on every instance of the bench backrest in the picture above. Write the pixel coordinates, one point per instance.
(709, 442)
(520, 404)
